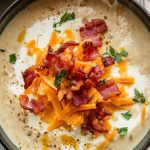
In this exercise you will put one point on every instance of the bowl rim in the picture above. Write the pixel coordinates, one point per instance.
(4, 140)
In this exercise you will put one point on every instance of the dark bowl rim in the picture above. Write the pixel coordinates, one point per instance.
(8, 9)
(4, 141)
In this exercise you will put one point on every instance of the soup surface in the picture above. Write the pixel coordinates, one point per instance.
(35, 23)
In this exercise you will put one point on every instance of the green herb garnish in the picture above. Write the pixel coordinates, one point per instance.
(124, 53)
(58, 77)
(2, 50)
(65, 17)
(103, 82)
(105, 53)
(118, 56)
(12, 58)
(112, 51)
(123, 131)
(139, 97)
(127, 115)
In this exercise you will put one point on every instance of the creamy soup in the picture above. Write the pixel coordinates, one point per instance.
(26, 130)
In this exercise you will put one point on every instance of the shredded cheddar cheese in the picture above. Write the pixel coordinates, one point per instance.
(143, 112)
(59, 109)
(21, 36)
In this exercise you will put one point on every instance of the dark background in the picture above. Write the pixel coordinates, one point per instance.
(4, 4)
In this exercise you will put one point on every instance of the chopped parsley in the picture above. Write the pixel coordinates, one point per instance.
(2, 50)
(103, 81)
(65, 17)
(139, 97)
(124, 53)
(123, 131)
(112, 51)
(12, 58)
(127, 115)
(105, 53)
(58, 77)
(118, 56)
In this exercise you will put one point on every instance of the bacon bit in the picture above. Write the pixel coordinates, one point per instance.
(88, 83)
(98, 127)
(50, 58)
(109, 89)
(64, 46)
(32, 105)
(80, 97)
(107, 84)
(77, 85)
(92, 30)
(58, 61)
(79, 74)
(108, 60)
(92, 123)
(30, 74)
(95, 73)
(93, 77)
(90, 52)
(101, 112)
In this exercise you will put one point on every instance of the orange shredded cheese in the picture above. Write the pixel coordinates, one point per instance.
(68, 140)
(143, 112)
(59, 109)
(69, 34)
(54, 39)
(45, 141)
(123, 68)
(21, 36)
(102, 145)
(95, 95)
(122, 101)
(125, 80)
(110, 136)
(56, 123)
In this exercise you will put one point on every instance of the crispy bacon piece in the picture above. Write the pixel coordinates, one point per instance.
(80, 97)
(101, 112)
(93, 77)
(51, 57)
(95, 73)
(30, 74)
(63, 47)
(98, 127)
(106, 84)
(58, 61)
(32, 105)
(92, 30)
(110, 92)
(108, 89)
(79, 73)
(88, 83)
(90, 52)
(108, 60)
(92, 123)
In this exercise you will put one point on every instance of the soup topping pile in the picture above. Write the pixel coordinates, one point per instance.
(71, 83)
